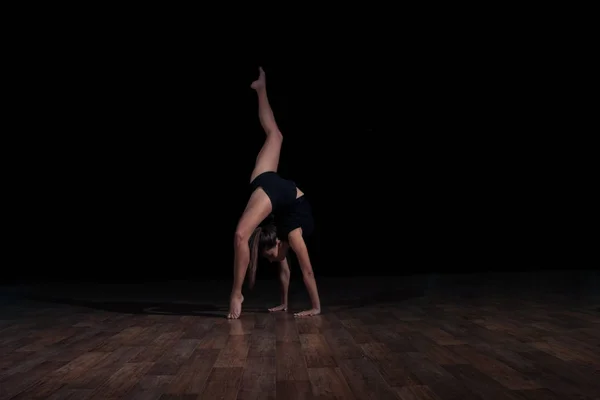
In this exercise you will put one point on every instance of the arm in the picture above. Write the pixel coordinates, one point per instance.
(284, 279)
(299, 246)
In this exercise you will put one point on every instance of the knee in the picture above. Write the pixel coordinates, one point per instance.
(275, 134)
(240, 238)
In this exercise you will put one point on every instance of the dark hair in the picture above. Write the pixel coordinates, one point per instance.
(263, 238)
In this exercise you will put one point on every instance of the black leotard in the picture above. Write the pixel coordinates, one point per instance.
(288, 212)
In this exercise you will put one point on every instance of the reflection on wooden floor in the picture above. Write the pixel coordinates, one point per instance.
(445, 344)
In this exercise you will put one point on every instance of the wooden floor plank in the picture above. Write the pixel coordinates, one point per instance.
(496, 343)
(329, 382)
(260, 379)
(365, 381)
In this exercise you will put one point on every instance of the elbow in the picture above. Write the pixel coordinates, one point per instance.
(285, 275)
(308, 273)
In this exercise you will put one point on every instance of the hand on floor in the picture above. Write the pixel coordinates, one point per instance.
(308, 313)
(282, 307)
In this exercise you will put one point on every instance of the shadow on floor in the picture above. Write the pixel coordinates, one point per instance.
(131, 307)
(378, 299)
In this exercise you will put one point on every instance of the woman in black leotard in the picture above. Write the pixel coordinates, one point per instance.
(277, 218)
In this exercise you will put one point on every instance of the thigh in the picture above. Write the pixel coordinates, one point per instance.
(258, 208)
(268, 157)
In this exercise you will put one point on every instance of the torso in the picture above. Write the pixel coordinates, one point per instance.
(289, 212)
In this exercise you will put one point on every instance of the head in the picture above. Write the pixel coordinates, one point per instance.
(264, 242)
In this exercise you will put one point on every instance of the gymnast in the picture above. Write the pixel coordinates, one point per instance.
(277, 217)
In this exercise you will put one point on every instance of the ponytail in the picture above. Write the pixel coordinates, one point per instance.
(254, 242)
(263, 238)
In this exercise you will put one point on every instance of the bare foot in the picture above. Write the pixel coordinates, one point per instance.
(235, 307)
(261, 81)
(308, 313)
(282, 307)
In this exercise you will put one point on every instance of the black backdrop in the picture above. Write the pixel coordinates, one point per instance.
(131, 161)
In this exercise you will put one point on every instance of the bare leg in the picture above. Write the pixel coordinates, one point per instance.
(284, 279)
(259, 206)
(268, 157)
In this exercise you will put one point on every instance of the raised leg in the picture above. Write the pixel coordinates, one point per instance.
(284, 279)
(259, 205)
(268, 157)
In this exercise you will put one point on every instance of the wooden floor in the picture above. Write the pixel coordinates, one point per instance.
(447, 341)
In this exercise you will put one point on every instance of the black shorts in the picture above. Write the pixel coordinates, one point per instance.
(281, 192)
(289, 212)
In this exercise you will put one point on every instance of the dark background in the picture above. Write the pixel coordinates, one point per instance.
(130, 156)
